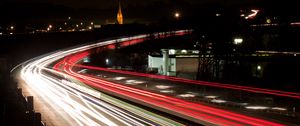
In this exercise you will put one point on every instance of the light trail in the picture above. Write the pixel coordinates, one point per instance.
(79, 107)
(196, 111)
(204, 83)
(85, 108)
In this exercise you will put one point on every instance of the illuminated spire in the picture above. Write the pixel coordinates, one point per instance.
(119, 15)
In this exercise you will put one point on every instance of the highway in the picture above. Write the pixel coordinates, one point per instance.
(71, 102)
(82, 98)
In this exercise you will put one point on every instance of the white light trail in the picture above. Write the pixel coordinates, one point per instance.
(82, 105)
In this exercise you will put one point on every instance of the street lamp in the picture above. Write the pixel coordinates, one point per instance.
(177, 14)
(237, 41)
(259, 67)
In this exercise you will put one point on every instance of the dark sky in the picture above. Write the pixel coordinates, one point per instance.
(33, 10)
(104, 4)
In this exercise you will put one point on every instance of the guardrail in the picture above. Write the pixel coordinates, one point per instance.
(33, 118)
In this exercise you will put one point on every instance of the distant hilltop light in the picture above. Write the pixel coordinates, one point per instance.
(238, 41)
(177, 14)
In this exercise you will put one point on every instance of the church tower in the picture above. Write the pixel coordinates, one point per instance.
(119, 14)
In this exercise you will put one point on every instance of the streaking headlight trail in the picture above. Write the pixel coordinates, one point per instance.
(77, 103)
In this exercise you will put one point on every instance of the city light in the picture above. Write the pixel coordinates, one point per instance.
(1, 33)
(295, 23)
(269, 21)
(172, 51)
(252, 15)
(12, 27)
(177, 15)
(238, 41)
(107, 61)
(258, 67)
(183, 51)
(90, 28)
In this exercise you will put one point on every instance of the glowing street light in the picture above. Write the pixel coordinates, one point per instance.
(92, 23)
(237, 41)
(107, 61)
(177, 15)
(258, 67)
(12, 27)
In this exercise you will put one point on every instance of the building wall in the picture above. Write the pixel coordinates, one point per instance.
(187, 65)
(183, 65)
(157, 62)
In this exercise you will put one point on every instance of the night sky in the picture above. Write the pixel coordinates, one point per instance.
(35, 10)
(104, 4)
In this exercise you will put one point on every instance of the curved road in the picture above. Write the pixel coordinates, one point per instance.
(79, 99)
